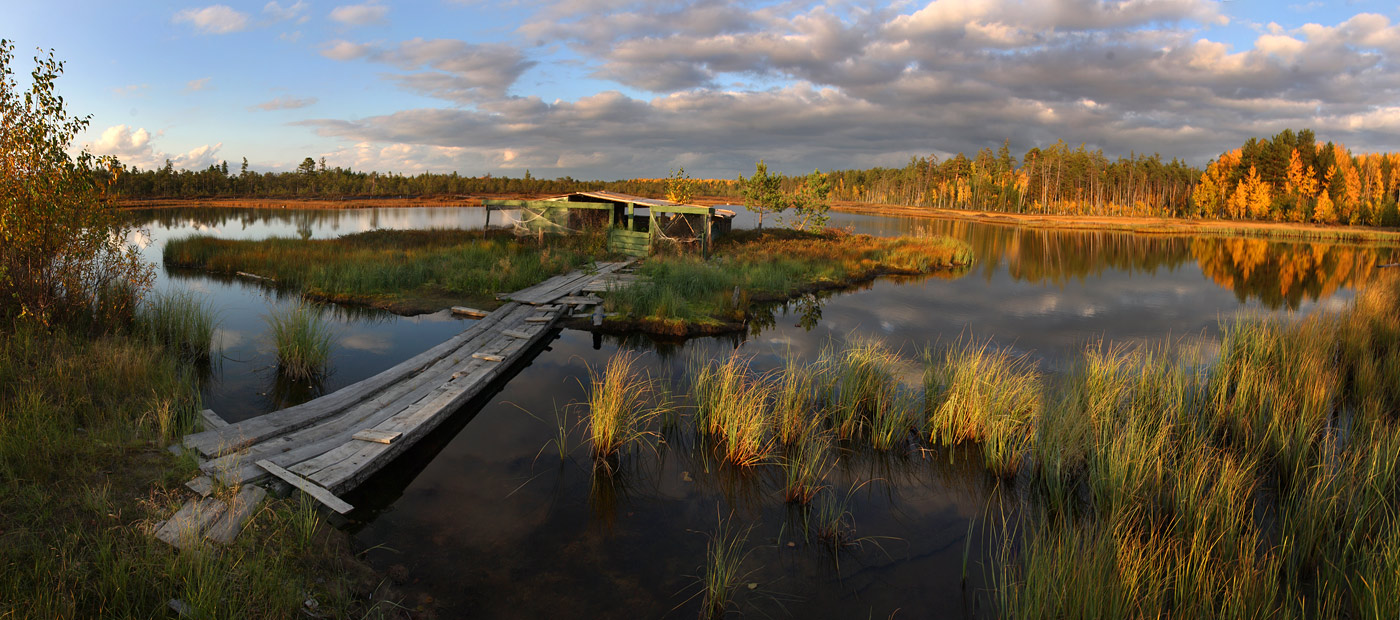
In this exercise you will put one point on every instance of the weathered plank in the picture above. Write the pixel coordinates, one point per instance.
(233, 437)
(303, 444)
(203, 485)
(376, 436)
(186, 528)
(488, 357)
(211, 419)
(514, 333)
(472, 312)
(418, 421)
(321, 494)
(586, 300)
(239, 511)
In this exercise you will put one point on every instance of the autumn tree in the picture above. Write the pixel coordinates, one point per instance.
(680, 188)
(63, 254)
(809, 202)
(762, 192)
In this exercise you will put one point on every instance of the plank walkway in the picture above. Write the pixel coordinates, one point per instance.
(331, 444)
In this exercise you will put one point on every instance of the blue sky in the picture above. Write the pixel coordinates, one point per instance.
(617, 89)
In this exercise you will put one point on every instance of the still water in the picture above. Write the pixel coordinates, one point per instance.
(484, 518)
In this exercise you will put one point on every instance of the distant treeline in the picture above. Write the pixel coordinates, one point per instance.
(316, 180)
(1056, 179)
(1289, 177)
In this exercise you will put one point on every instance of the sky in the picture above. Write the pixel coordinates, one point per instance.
(610, 89)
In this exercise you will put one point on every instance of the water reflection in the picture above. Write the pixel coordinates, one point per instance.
(488, 520)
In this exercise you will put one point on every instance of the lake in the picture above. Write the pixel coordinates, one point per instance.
(484, 518)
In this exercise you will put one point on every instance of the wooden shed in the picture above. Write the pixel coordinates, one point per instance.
(635, 225)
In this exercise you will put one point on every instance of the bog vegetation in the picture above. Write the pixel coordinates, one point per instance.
(1150, 481)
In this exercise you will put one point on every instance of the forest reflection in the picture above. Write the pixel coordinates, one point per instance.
(1278, 274)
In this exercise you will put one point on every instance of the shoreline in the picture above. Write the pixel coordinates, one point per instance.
(1135, 225)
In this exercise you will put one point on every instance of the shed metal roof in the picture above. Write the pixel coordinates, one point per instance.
(645, 202)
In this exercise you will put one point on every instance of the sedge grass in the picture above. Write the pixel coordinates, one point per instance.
(732, 406)
(181, 320)
(974, 392)
(302, 337)
(622, 399)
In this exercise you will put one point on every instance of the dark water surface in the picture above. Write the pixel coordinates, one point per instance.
(484, 519)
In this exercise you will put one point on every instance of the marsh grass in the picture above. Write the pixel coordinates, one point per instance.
(1258, 484)
(975, 392)
(723, 575)
(732, 406)
(182, 320)
(622, 399)
(302, 337)
(773, 265)
(84, 475)
(421, 270)
(805, 468)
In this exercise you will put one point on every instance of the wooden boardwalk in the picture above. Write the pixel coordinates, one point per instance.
(331, 444)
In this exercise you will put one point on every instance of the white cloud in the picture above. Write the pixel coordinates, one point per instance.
(360, 14)
(444, 68)
(279, 13)
(215, 19)
(285, 103)
(197, 85)
(131, 89)
(133, 148)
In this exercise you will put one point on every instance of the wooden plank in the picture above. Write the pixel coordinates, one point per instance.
(321, 494)
(472, 312)
(211, 419)
(244, 505)
(292, 448)
(203, 485)
(375, 436)
(515, 334)
(538, 319)
(418, 421)
(488, 357)
(240, 435)
(587, 300)
(186, 528)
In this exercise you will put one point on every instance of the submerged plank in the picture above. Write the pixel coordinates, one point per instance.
(321, 494)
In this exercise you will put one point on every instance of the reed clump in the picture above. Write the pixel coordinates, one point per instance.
(622, 399)
(733, 406)
(302, 336)
(181, 320)
(975, 392)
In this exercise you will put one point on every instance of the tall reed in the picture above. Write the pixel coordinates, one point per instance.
(732, 406)
(974, 392)
(619, 406)
(303, 340)
(182, 320)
